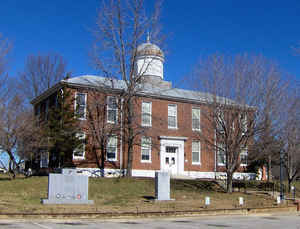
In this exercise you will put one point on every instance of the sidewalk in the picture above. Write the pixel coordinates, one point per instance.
(137, 214)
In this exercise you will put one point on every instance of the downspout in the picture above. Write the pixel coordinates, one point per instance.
(215, 155)
(121, 137)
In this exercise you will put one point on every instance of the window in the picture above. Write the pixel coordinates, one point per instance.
(172, 116)
(244, 123)
(46, 109)
(111, 149)
(80, 105)
(38, 111)
(244, 157)
(146, 149)
(146, 113)
(79, 151)
(44, 160)
(196, 148)
(171, 149)
(112, 109)
(220, 121)
(221, 156)
(196, 119)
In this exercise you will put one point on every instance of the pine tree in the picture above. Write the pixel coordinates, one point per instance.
(62, 131)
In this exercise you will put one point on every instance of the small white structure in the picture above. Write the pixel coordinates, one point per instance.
(162, 186)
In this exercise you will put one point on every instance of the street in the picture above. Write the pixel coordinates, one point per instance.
(288, 220)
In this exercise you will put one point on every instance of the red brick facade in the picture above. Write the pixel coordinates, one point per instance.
(158, 129)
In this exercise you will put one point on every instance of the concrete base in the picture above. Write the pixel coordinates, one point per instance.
(68, 201)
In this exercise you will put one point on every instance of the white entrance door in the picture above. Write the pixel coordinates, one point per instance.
(171, 159)
(172, 155)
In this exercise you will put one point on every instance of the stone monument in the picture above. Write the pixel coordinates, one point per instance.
(67, 188)
(162, 186)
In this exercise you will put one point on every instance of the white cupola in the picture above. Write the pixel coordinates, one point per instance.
(150, 60)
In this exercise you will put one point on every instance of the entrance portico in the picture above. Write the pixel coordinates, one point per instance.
(172, 155)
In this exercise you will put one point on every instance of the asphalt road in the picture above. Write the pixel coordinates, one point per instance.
(231, 222)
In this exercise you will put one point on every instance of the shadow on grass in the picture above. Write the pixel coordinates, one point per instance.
(149, 198)
(4, 178)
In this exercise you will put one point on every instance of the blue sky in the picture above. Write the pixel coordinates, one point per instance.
(195, 28)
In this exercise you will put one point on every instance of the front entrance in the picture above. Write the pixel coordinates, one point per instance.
(172, 156)
(171, 159)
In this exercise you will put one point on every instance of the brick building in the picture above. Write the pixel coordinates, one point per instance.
(169, 120)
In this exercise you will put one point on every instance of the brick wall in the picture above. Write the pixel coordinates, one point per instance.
(159, 128)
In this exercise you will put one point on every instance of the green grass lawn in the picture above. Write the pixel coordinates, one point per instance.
(122, 194)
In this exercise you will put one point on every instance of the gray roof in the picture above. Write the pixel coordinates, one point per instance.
(146, 89)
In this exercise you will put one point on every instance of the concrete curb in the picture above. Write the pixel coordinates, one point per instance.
(110, 215)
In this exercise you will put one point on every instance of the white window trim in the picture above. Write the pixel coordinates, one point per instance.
(150, 151)
(171, 127)
(219, 163)
(83, 155)
(116, 152)
(75, 104)
(143, 124)
(199, 152)
(196, 129)
(244, 152)
(107, 108)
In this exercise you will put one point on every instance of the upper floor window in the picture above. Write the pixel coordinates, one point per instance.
(220, 121)
(46, 109)
(38, 111)
(146, 113)
(221, 156)
(196, 150)
(112, 109)
(79, 151)
(196, 119)
(244, 157)
(80, 105)
(244, 123)
(111, 148)
(146, 149)
(172, 116)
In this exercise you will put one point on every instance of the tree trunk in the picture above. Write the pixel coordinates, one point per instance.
(130, 138)
(130, 159)
(229, 182)
(269, 168)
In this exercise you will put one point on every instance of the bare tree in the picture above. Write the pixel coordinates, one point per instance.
(239, 91)
(289, 137)
(40, 73)
(121, 27)
(18, 133)
(5, 47)
(98, 127)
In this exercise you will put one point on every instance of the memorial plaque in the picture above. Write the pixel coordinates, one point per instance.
(207, 201)
(241, 201)
(162, 186)
(278, 200)
(67, 188)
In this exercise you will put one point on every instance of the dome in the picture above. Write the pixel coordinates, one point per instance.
(149, 49)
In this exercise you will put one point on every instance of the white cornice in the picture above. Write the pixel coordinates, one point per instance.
(173, 138)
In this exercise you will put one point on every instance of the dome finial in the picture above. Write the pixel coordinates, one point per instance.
(148, 37)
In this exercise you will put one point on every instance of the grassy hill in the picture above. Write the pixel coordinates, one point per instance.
(123, 194)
